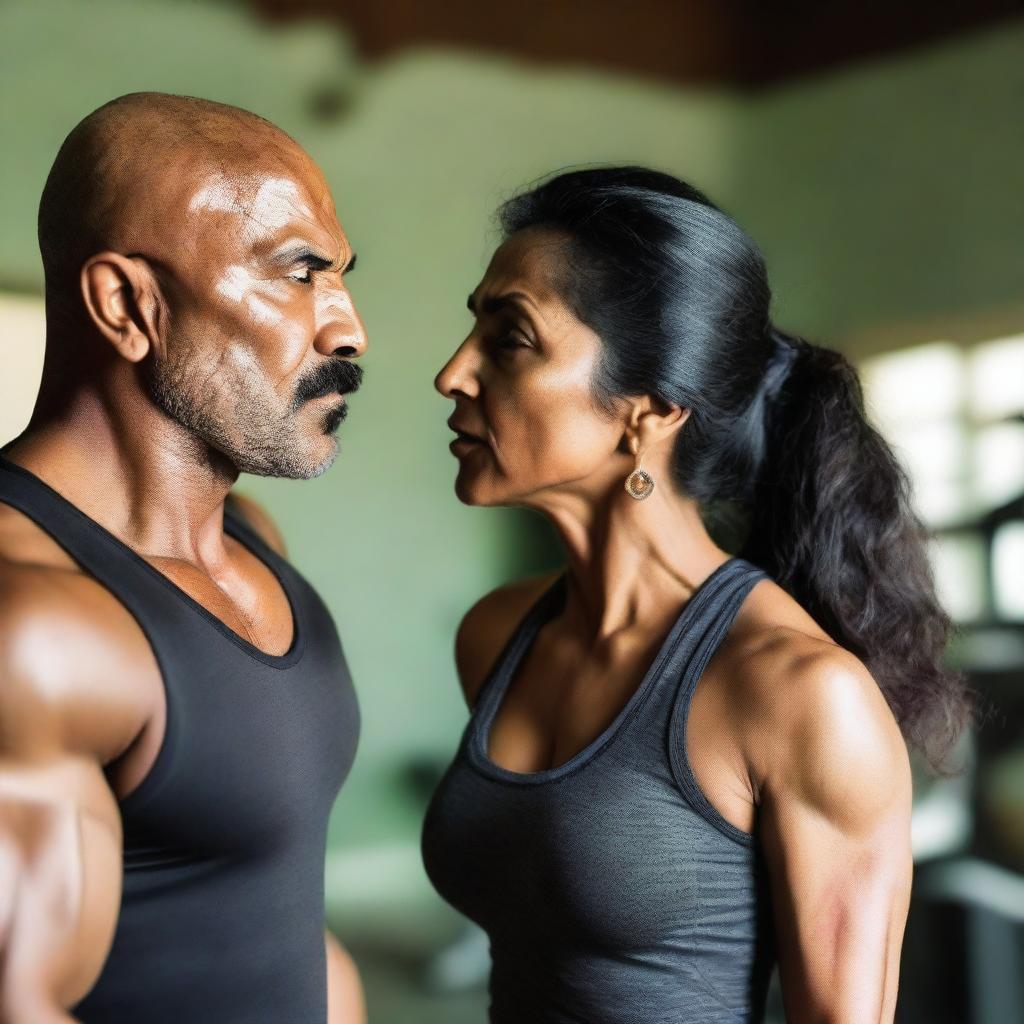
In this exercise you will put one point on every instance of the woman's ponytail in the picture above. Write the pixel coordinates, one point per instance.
(832, 523)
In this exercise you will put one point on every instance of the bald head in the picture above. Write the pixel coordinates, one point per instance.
(194, 259)
(126, 171)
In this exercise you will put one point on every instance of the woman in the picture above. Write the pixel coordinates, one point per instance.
(681, 764)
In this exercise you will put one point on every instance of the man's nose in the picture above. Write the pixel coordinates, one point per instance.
(340, 330)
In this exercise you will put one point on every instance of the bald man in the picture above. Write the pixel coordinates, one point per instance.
(176, 713)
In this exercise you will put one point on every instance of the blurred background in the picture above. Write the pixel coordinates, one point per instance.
(875, 152)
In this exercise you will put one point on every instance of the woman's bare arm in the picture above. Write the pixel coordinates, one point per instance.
(835, 800)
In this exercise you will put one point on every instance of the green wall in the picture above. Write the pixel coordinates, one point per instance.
(891, 193)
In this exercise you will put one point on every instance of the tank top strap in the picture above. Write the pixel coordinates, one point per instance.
(709, 631)
(522, 636)
(96, 551)
(689, 643)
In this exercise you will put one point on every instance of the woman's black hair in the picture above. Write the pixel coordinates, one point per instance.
(776, 441)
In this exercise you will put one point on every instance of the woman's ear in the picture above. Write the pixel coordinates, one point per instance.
(651, 420)
(122, 300)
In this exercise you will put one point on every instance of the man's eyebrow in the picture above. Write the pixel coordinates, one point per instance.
(304, 254)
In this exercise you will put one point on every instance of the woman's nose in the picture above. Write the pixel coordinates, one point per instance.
(458, 375)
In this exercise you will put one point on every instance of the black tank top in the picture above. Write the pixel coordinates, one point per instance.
(611, 889)
(222, 909)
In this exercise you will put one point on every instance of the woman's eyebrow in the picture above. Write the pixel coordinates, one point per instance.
(496, 302)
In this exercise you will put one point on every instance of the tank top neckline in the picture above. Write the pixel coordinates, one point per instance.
(238, 530)
(540, 613)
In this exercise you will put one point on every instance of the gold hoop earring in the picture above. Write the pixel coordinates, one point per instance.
(639, 483)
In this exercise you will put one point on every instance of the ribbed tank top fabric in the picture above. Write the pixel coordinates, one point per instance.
(611, 889)
(222, 908)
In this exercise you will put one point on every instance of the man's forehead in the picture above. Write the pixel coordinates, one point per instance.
(271, 198)
(267, 205)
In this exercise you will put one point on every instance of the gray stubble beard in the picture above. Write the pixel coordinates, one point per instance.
(254, 435)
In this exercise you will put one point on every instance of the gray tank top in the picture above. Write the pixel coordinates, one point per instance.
(611, 889)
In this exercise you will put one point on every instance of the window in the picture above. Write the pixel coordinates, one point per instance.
(954, 414)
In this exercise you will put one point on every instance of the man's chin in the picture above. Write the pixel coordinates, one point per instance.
(292, 465)
(325, 464)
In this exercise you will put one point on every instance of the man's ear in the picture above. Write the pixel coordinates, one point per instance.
(123, 301)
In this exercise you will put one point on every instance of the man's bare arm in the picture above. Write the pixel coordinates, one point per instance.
(60, 834)
(346, 1003)
(61, 892)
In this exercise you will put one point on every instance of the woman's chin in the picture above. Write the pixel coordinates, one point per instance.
(472, 489)
(467, 491)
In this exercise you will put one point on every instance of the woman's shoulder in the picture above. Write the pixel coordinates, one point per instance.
(803, 700)
(489, 623)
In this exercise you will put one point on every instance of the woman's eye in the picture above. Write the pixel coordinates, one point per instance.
(509, 342)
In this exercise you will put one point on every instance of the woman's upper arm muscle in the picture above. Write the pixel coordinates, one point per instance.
(835, 800)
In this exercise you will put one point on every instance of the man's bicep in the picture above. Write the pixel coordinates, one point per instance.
(60, 849)
(60, 831)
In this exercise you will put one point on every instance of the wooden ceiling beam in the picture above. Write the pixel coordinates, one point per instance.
(746, 44)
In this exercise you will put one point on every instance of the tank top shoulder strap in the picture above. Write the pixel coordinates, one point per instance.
(96, 551)
(709, 628)
(511, 652)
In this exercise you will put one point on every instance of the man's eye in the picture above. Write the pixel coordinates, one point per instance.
(304, 276)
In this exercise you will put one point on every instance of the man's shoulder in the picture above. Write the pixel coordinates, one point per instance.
(258, 518)
(24, 542)
(73, 662)
(40, 581)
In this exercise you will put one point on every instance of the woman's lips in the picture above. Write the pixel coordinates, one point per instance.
(465, 443)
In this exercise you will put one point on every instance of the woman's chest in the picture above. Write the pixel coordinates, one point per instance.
(612, 855)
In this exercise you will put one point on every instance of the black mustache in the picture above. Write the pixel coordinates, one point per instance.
(336, 375)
